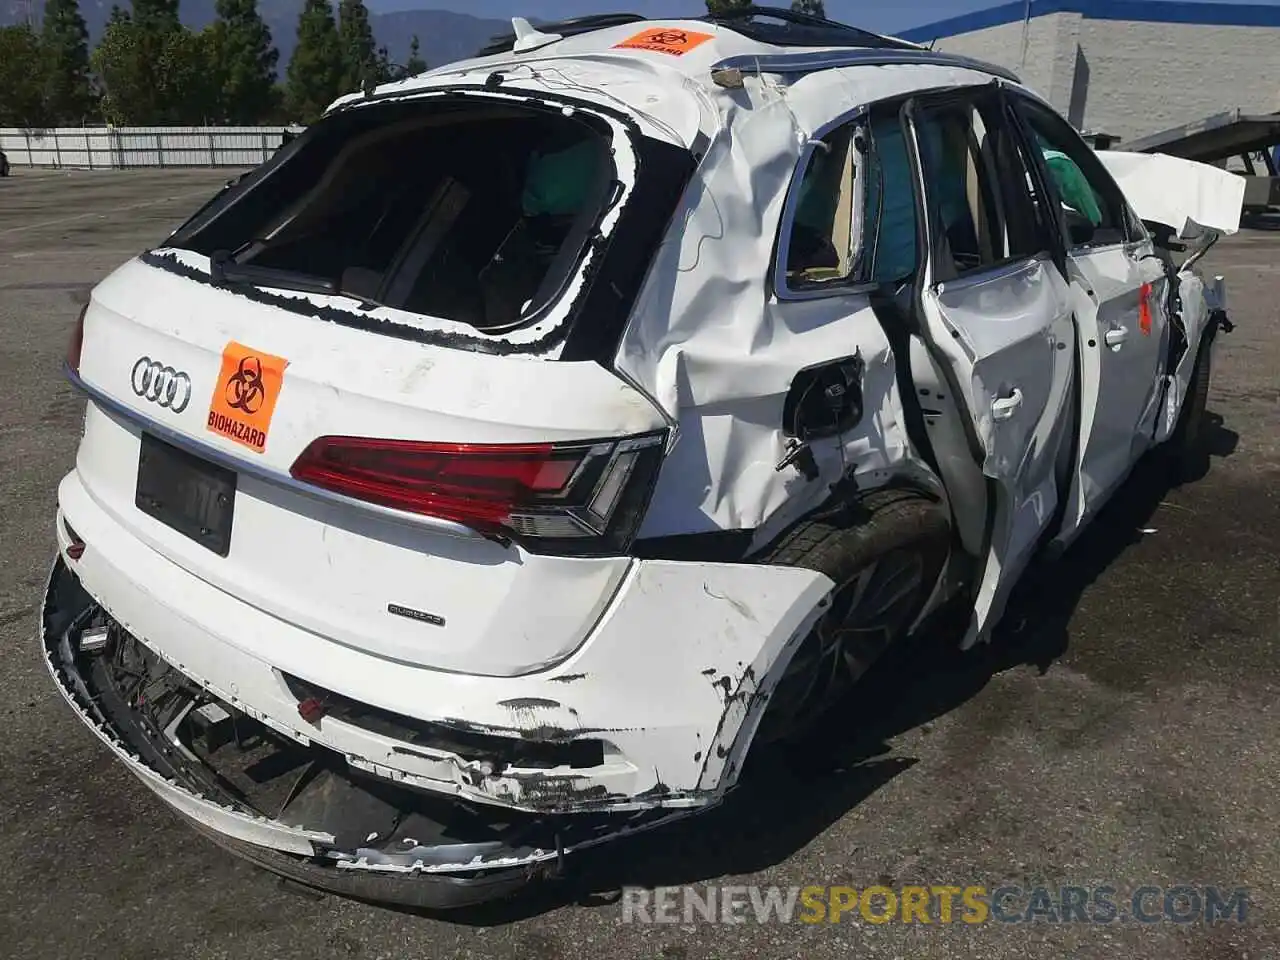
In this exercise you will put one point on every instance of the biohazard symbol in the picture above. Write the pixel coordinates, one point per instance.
(244, 388)
(666, 40)
(245, 394)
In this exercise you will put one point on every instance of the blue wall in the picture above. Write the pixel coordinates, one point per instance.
(1159, 11)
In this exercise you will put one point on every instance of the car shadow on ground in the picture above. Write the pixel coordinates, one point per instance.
(786, 798)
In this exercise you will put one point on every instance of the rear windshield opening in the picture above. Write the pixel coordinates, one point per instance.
(472, 213)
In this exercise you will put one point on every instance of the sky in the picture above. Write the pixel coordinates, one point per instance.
(872, 16)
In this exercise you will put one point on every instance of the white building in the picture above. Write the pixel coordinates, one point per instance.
(1128, 67)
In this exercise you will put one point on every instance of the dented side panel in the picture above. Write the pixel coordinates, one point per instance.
(1005, 336)
(716, 347)
(1119, 294)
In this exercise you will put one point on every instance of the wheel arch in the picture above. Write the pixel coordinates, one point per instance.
(746, 705)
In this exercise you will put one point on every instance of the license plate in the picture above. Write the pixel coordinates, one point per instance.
(193, 496)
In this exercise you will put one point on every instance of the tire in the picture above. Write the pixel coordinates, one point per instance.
(4, 167)
(884, 555)
(1186, 449)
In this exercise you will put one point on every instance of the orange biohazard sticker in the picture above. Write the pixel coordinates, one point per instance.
(244, 398)
(1144, 309)
(665, 40)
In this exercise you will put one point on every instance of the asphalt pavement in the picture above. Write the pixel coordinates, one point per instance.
(1122, 731)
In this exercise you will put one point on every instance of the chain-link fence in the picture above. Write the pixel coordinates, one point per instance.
(94, 148)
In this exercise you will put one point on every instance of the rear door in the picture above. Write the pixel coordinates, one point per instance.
(1118, 292)
(997, 313)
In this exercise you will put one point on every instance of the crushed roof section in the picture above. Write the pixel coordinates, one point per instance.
(693, 49)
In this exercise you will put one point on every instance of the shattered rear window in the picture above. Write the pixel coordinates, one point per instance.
(469, 211)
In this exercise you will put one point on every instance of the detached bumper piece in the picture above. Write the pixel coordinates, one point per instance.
(296, 809)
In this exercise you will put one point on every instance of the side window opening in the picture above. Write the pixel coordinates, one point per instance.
(983, 207)
(822, 241)
(1090, 209)
(855, 216)
(468, 212)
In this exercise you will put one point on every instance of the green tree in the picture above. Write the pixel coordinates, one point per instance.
(153, 73)
(415, 64)
(815, 8)
(64, 42)
(314, 78)
(718, 7)
(243, 63)
(160, 16)
(21, 89)
(360, 60)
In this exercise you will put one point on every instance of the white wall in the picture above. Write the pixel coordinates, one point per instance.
(1134, 78)
(103, 147)
(1148, 77)
(1044, 59)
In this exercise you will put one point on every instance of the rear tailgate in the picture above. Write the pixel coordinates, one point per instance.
(263, 384)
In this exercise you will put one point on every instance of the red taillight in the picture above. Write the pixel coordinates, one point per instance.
(76, 342)
(581, 497)
(75, 546)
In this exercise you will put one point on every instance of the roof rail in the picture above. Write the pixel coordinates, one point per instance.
(505, 42)
(801, 29)
(829, 59)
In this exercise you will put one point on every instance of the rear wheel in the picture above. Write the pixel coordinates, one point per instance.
(885, 556)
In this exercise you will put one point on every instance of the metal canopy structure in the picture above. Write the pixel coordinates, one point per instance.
(1216, 139)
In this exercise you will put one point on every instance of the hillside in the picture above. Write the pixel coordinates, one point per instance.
(445, 36)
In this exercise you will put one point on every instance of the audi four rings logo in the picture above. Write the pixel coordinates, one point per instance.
(155, 382)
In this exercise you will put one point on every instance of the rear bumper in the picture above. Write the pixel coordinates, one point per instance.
(441, 875)
(663, 695)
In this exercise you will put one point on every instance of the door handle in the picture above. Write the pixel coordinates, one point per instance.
(1002, 408)
(1115, 338)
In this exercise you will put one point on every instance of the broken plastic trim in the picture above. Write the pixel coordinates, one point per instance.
(441, 853)
(537, 748)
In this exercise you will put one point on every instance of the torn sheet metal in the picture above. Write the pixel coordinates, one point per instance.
(716, 347)
(1186, 196)
(1194, 317)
